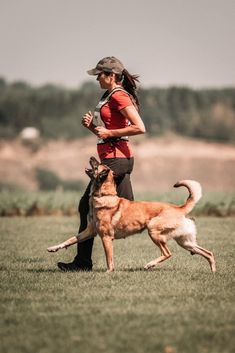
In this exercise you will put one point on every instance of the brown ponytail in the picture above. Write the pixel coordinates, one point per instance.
(129, 84)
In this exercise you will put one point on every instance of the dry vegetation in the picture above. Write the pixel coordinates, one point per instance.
(159, 162)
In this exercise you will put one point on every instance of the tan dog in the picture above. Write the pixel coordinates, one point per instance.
(113, 217)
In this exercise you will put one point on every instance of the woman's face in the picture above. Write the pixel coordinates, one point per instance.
(105, 80)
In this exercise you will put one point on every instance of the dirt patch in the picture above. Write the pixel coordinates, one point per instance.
(159, 162)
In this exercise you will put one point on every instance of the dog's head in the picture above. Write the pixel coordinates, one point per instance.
(98, 172)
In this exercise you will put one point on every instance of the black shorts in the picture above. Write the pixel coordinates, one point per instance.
(122, 167)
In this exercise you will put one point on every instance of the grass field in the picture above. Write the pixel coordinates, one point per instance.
(178, 307)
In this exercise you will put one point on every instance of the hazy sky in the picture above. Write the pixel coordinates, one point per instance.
(180, 42)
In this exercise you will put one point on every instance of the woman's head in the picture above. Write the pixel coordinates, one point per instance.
(112, 68)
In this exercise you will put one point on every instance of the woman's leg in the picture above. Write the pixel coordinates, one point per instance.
(122, 167)
(82, 261)
(124, 187)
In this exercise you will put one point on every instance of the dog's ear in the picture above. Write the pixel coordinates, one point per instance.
(90, 173)
(94, 163)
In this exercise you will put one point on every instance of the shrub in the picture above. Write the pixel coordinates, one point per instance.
(48, 180)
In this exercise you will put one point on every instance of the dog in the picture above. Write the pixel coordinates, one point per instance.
(113, 217)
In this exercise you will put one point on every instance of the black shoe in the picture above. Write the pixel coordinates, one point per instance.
(72, 266)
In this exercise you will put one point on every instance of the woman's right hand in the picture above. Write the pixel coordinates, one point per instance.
(87, 119)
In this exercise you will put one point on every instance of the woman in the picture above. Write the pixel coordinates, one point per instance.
(116, 117)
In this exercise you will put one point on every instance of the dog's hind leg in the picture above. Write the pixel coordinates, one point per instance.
(207, 254)
(165, 252)
(196, 249)
(207, 251)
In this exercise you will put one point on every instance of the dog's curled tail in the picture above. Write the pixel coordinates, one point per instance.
(195, 193)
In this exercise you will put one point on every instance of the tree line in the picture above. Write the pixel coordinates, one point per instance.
(56, 111)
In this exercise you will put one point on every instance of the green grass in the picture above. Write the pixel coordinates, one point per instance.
(178, 307)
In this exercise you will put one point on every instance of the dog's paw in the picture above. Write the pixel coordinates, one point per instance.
(150, 265)
(110, 271)
(147, 267)
(53, 248)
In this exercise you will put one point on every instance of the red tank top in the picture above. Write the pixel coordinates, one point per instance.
(113, 119)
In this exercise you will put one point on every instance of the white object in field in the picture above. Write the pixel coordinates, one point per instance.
(30, 133)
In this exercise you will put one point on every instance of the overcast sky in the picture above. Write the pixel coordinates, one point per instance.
(167, 42)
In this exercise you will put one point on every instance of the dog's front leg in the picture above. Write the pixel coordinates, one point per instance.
(88, 233)
(80, 237)
(108, 248)
(63, 245)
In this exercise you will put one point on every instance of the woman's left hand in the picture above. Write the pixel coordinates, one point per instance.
(102, 132)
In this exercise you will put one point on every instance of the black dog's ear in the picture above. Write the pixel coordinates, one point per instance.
(90, 173)
(103, 175)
